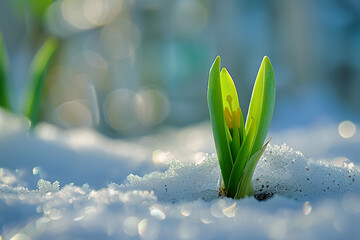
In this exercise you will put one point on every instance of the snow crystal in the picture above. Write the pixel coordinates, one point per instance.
(182, 181)
(286, 172)
(48, 187)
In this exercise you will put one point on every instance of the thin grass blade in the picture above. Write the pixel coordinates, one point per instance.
(4, 91)
(38, 69)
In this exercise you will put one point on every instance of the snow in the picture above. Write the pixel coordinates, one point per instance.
(78, 184)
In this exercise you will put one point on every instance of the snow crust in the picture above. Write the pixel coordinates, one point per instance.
(57, 184)
(281, 171)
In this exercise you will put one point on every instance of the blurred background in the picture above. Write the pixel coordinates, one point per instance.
(127, 67)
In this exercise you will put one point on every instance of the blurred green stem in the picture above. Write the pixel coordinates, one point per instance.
(4, 97)
(38, 70)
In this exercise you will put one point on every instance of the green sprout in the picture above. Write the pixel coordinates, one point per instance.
(239, 146)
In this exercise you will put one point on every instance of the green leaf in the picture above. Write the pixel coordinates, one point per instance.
(228, 89)
(245, 185)
(241, 160)
(216, 111)
(4, 97)
(38, 69)
(262, 103)
(235, 143)
(230, 105)
(242, 127)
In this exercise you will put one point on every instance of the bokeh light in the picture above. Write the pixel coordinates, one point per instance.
(130, 226)
(120, 39)
(157, 213)
(152, 106)
(346, 129)
(230, 211)
(162, 158)
(74, 114)
(37, 170)
(307, 208)
(67, 16)
(160, 52)
(119, 109)
(148, 229)
(190, 17)
(95, 59)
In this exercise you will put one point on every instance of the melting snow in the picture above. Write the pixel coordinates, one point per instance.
(312, 199)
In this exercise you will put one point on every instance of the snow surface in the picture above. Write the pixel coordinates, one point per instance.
(78, 184)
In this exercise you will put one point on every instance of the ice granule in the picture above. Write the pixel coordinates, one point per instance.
(46, 186)
(86, 187)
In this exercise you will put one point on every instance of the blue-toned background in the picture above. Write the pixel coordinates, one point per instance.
(129, 67)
